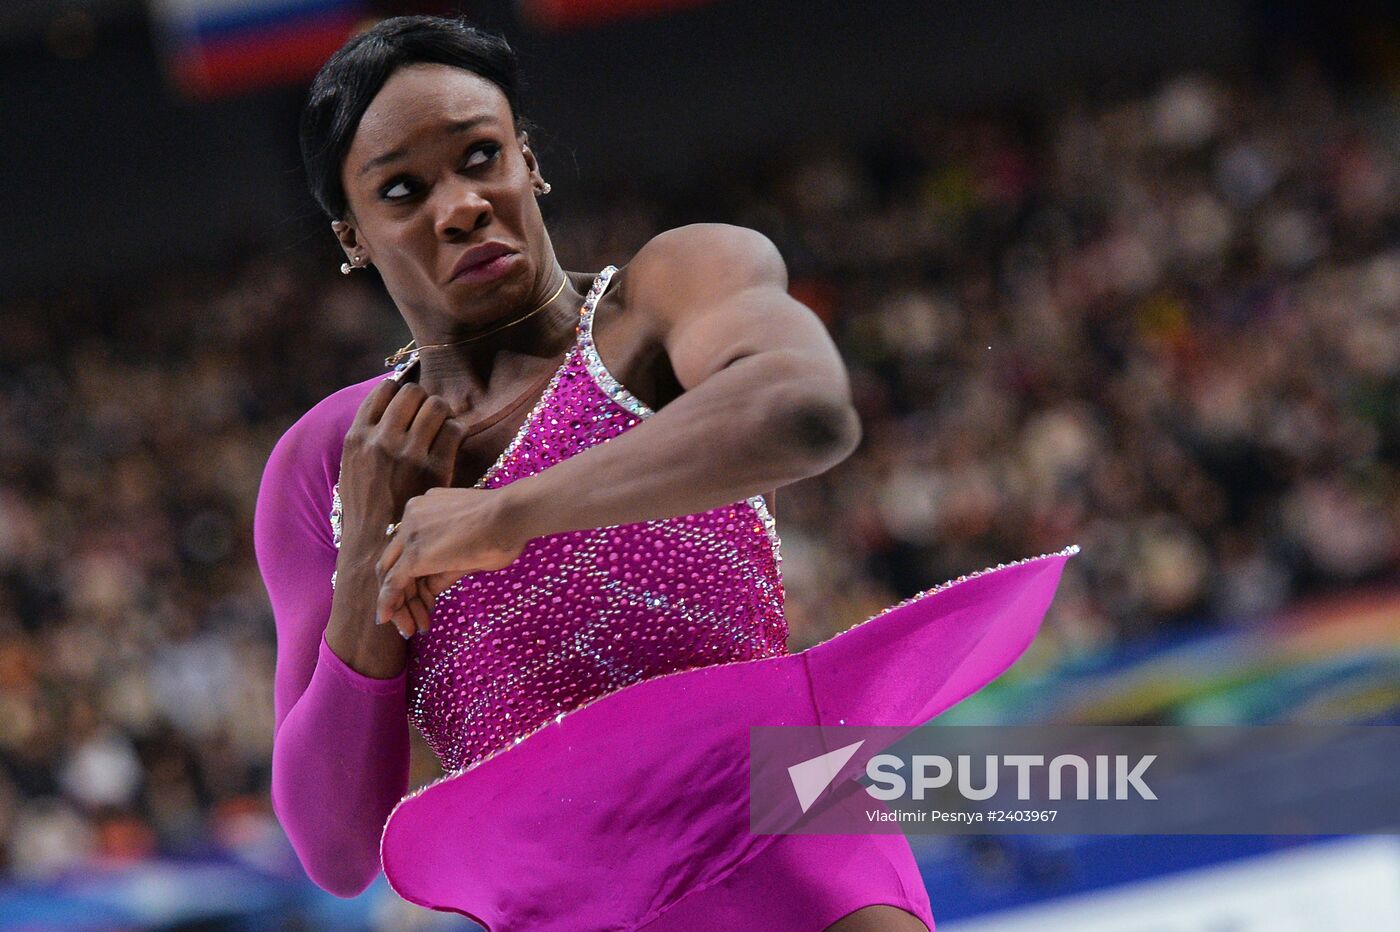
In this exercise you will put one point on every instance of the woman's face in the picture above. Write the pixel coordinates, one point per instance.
(435, 168)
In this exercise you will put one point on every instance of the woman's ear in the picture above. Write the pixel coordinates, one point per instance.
(345, 232)
(531, 162)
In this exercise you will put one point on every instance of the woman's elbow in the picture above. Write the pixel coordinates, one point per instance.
(336, 870)
(345, 870)
(818, 432)
(334, 879)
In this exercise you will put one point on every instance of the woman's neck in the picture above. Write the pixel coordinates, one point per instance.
(467, 374)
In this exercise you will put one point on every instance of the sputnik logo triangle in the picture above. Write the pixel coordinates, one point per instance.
(810, 777)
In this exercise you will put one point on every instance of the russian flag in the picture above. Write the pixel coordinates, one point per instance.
(215, 48)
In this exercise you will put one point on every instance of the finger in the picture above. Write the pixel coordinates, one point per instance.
(391, 594)
(372, 408)
(428, 599)
(416, 611)
(437, 583)
(389, 556)
(404, 622)
(424, 429)
(442, 453)
(403, 407)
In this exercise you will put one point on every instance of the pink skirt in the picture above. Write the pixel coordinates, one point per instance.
(632, 811)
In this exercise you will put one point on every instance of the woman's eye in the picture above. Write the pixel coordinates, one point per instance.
(490, 150)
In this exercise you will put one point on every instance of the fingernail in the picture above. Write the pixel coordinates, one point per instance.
(405, 635)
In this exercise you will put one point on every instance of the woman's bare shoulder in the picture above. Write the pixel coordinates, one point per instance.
(719, 254)
(684, 270)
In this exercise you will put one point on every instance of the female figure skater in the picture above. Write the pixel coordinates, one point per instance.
(558, 508)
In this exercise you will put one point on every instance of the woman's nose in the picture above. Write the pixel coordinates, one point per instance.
(461, 209)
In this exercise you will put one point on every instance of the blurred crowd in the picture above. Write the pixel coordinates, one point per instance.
(1166, 329)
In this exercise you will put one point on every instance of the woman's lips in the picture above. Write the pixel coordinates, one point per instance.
(486, 271)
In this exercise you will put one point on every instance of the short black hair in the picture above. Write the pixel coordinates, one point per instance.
(342, 90)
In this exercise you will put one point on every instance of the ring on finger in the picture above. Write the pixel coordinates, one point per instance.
(389, 531)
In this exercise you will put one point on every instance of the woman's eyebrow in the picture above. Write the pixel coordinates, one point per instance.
(393, 155)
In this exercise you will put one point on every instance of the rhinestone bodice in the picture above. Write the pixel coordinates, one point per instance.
(587, 612)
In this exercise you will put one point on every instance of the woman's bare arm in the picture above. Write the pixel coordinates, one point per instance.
(766, 400)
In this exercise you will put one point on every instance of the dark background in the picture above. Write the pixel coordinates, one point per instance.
(109, 171)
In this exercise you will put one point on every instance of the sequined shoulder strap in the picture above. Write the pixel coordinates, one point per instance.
(590, 302)
(599, 372)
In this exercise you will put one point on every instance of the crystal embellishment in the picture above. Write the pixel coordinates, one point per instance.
(453, 772)
(584, 613)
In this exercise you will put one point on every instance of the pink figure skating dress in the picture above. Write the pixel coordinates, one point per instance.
(591, 702)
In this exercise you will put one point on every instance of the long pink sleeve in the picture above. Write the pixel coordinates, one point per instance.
(340, 754)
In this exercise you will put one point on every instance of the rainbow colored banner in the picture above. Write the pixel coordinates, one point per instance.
(1327, 658)
(218, 48)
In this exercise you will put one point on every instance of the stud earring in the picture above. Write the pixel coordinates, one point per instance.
(544, 189)
(346, 267)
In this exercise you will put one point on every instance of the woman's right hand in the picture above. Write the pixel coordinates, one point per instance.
(400, 444)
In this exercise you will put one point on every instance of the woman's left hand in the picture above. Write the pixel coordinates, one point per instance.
(444, 534)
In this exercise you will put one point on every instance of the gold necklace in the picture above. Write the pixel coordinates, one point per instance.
(412, 346)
